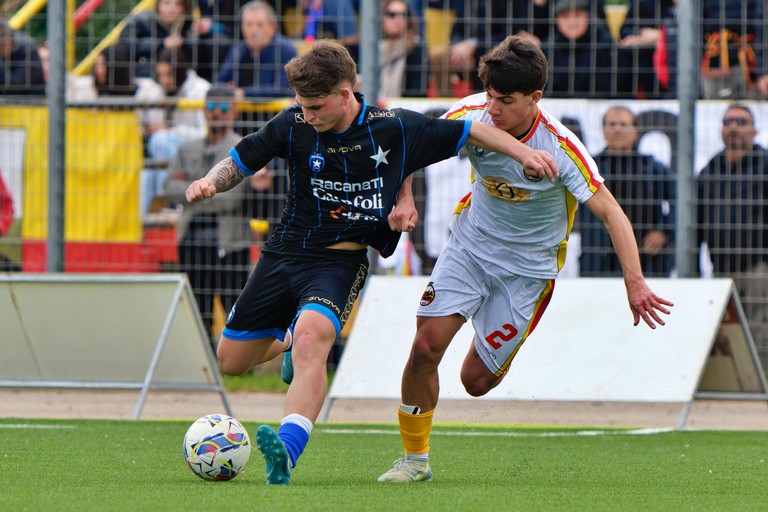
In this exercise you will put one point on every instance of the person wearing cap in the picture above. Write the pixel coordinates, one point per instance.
(579, 51)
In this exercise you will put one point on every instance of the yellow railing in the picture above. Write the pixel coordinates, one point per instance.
(26, 13)
(31, 8)
(85, 65)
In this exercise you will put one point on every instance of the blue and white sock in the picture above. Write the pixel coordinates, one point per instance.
(294, 433)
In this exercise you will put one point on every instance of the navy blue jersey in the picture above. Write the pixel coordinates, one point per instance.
(343, 185)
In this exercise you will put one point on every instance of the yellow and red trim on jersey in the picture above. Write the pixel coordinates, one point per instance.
(574, 153)
(462, 110)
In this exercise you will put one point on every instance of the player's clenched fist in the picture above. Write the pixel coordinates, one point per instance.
(200, 190)
(540, 164)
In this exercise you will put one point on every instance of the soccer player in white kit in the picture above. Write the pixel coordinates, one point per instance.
(507, 244)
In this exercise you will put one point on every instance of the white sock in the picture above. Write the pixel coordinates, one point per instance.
(298, 419)
(410, 409)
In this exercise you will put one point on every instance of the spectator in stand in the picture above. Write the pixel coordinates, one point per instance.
(332, 19)
(166, 127)
(732, 65)
(174, 80)
(580, 54)
(6, 219)
(734, 62)
(402, 56)
(216, 29)
(21, 71)
(168, 26)
(214, 236)
(733, 215)
(644, 189)
(643, 18)
(109, 76)
(255, 66)
(479, 27)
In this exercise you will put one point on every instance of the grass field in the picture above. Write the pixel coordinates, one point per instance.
(120, 465)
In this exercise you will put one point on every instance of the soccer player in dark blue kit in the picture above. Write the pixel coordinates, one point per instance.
(349, 166)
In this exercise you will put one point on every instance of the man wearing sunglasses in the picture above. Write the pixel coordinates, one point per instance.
(214, 238)
(733, 214)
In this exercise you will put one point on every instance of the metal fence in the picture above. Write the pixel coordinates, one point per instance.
(114, 216)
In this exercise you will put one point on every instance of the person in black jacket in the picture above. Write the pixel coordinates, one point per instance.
(583, 57)
(733, 215)
(145, 34)
(21, 70)
(644, 188)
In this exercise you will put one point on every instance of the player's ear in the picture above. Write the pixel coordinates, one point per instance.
(346, 94)
(535, 97)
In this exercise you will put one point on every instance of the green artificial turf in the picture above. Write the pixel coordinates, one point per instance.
(83, 465)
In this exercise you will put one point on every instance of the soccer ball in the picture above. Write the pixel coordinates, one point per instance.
(217, 447)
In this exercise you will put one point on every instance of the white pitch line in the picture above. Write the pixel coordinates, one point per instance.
(580, 433)
(31, 426)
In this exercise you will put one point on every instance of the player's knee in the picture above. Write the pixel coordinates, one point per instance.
(478, 382)
(230, 365)
(474, 388)
(423, 354)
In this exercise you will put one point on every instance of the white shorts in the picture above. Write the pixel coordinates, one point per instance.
(504, 307)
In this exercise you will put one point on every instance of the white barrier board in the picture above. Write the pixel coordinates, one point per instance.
(104, 331)
(584, 349)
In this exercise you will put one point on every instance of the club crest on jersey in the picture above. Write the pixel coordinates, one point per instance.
(316, 162)
(531, 178)
(299, 118)
(428, 296)
(231, 313)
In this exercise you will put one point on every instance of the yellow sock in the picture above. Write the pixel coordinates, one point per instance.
(415, 429)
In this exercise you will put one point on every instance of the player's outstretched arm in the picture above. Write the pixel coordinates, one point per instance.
(642, 301)
(535, 162)
(222, 177)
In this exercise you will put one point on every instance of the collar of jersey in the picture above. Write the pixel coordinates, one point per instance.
(361, 99)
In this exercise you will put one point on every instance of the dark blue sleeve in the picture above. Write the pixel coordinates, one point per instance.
(429, 140)
(259, 148)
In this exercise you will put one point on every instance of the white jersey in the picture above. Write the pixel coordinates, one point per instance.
(515, 221)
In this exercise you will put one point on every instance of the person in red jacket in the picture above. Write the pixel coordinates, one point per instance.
(6, 219)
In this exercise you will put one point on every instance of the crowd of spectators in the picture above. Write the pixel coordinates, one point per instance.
(596, 48)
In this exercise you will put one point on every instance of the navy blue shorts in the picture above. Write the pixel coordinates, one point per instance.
(283, 284)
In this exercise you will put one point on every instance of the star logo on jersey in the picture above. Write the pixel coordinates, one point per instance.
(380, 157)
(316, 162)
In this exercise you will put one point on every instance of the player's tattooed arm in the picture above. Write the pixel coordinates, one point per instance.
(225, 175)
(222, 177)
